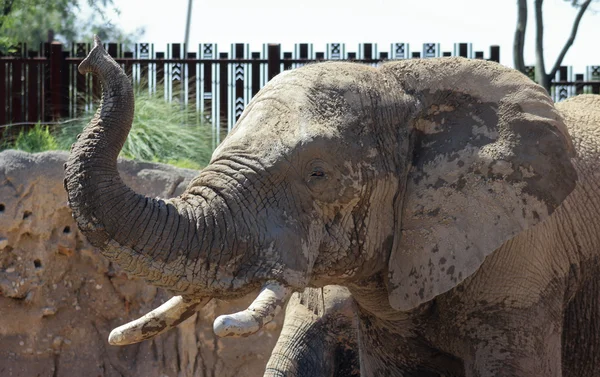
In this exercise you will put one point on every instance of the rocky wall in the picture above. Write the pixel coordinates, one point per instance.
(59, 298)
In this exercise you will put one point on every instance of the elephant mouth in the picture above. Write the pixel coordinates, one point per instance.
(272, 298)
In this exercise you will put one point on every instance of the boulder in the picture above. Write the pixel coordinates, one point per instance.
(59, 298)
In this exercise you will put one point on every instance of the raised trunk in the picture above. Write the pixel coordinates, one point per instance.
(145, 236)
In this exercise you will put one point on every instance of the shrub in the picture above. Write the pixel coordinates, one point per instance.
(37, 139)
(161, 132)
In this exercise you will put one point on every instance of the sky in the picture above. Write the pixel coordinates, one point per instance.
(480, 22)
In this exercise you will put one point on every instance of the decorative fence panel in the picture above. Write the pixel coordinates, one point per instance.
(45, 86)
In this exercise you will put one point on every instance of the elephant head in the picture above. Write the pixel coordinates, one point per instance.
(335, 172)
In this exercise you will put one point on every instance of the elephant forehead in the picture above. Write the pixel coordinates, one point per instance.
(272, 129)
(274, 126)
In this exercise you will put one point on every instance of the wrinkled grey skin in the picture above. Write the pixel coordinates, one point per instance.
(396, 182)
(319, 336)
(568, 243)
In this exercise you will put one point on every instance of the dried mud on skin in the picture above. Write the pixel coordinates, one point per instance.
(59, 298)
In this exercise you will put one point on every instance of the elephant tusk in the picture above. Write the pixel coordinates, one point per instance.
(161, 319)
(263, 309)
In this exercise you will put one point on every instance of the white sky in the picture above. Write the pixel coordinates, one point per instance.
(481, 22)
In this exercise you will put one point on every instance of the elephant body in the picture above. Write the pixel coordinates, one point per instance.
(416, 185)
(535, 296)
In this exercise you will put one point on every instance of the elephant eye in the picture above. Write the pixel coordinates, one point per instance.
(318, 175)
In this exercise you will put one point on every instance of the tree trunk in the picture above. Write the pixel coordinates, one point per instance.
(519, 42)
(571, 39)
(540, 66)
(145, 236)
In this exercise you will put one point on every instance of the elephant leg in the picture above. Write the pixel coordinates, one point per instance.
(319, 336)
(512, 343)
(398, 348)
(581, 334)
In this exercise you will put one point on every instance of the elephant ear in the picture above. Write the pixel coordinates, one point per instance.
(490, 158)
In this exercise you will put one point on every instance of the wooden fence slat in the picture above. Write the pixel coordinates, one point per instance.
(56, 64)
(255, 71)
(128, 65)
(175, 72)
(33, 96)
(287, 64)
(192, 89)
(463, 50)
(3, 82)
(113, 49)
(160, 70)
(240, 78)
(495, 53)
(81, 81)
(16, 113)
(303, 50)
(274, 60)
(66, 72)
(368, 51)
(143, 52)
(223, 92)
(207, 90)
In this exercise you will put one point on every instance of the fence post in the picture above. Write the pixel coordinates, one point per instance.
(176, 73)
(16, 92)
(495, 53)
(58, 103)
(223, 91)
(287, 56)
(33, 114)
(578, 86)
(274, 60)
(255, 68)
(2, 91)
(191, 80)
(463, 50)
(239, 78)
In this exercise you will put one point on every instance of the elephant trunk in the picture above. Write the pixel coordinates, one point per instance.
(144, 236)
(176, 243)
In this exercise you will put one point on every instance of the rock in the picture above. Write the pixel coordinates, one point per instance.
(48, 311)
(47, 267)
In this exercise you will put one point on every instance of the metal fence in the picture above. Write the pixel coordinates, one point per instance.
(44, 85)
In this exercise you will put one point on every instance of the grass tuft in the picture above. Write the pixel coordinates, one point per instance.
(161, 132)
(36, 139)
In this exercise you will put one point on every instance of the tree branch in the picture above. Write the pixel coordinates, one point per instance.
(6, 9)
(571, 39)
(539, 36)
(519, 42)
(540, 67)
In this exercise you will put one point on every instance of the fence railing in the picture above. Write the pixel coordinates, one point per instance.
(44, 85)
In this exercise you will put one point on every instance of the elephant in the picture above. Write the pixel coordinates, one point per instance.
(308, 330)
(397, 182)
